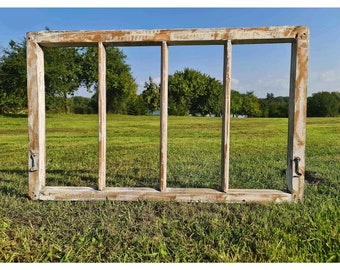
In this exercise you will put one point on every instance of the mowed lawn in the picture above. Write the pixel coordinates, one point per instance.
(147, 231)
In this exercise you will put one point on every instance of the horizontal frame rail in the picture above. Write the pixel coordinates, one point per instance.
(171, 194)
(205, 36)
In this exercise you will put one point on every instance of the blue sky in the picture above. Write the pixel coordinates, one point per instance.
(258, 68)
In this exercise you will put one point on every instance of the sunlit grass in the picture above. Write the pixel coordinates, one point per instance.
(32, 231)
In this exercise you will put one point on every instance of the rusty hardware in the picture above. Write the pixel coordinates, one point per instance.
(296, 162)
(34, 162)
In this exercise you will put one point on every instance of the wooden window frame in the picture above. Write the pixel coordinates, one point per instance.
(297, 36)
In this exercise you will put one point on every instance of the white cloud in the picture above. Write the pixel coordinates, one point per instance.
(328, 80)
(330, 76)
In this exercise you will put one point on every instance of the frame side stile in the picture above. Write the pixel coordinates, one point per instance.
(297, 115)
(36, 117)
(301, 109)
(101, 116)
(291, 109)
(226, 116)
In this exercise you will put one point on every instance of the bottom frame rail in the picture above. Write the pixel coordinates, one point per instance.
(171, 194)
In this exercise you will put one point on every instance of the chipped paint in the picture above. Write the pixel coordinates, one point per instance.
(298, 36)
(276, 34)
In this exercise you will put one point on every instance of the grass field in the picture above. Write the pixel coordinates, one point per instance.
(145, 231)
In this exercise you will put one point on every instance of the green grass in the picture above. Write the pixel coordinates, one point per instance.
(105, 231)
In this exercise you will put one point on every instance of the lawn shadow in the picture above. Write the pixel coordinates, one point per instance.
(122, 180)
(78, 178)
(19, 185)
(311, 177)
(14, 187)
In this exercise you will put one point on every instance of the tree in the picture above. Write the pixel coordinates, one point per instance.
(13, 82)
(179, 94)
(191, 92)
(151, 96)
(66, 69)
(273, 106)
(251, 105)
(323, 104)
(236, 103)
(63, 68)
(207, 99)
(121, 89)
(80, 105)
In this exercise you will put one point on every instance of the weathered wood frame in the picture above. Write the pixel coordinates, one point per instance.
(298, 37)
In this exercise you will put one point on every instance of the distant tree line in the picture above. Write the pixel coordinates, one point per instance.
(190, 91)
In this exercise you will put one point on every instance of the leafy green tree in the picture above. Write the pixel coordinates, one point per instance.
(191, 92)
(63, 68)
(273, 106)
(80, 105)
(179, 94)
(151, 96)
(251, 105)
(121, 89)
(323, 104)
(139, 107)
(13, 82)
(207, 99)
(66, 69)
(236, 103)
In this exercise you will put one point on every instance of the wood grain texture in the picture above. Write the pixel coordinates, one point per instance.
(164, 117)
(101, 116)
(203, 36)
(226, 116)
(36, 117)
(298, 36)
(171, 194)
(297, 114)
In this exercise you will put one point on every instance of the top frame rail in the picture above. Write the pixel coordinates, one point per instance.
(203, 36)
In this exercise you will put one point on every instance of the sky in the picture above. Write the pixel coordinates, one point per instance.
(259, 68)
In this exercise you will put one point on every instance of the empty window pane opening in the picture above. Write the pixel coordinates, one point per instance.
(260, 74)
(297, 36)
(194, 164)
(75, 141)
(132, 146)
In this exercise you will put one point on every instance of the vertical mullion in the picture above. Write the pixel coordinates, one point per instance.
(36, 118)
(102, 115)
(297, 116)
(226, 116)
(164, 116)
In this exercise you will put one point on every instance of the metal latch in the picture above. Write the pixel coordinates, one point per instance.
(33, 162)
(296, 162)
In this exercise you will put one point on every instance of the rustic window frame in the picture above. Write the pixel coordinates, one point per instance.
(297, 36)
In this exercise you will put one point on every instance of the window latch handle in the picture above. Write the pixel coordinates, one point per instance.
(296, 162)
